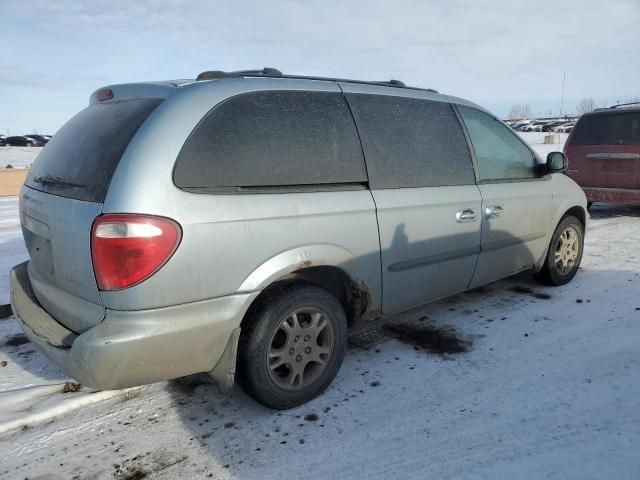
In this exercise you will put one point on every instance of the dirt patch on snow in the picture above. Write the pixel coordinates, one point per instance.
(188, 385)
(70, 387)
(16, 340)
(311, 417)
(436, 340)
(423, 334)
(530, 291)
(5, 311)
(145, 465)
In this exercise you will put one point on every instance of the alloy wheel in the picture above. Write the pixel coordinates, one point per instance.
(300, 348)
(567, 250)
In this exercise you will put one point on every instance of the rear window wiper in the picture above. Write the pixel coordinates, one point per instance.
(57, 181)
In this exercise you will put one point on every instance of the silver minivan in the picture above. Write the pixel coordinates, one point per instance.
(242, 221)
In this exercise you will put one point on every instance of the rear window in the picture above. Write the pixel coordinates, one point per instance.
(79, 161)
(609, 129)
(273, 138)
(409, 142)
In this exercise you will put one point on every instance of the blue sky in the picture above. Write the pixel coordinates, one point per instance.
(496, 53)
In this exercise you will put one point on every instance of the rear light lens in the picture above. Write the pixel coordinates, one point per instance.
(127, 249)
(104, 94)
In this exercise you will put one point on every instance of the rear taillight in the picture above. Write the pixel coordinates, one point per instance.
(127, 249)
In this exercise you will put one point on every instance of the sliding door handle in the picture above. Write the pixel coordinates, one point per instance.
(493, 212)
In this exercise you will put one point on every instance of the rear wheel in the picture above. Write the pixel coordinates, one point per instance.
(565, 253)
(293, 345)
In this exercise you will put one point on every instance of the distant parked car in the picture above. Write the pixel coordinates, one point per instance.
(22, 141)
(3, 140)
(604, 155)
(565, 128)
(549, 126)
(541, 125)
(41, 138)
(534, 126)
(520, 124)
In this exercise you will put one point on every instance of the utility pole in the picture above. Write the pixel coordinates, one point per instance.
(564, 76)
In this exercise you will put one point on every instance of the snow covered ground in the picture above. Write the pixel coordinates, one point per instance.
(18, 157)
(536, 140)
(548, 387)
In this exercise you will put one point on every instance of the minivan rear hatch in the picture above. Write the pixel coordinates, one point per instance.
(63, 194)
(604, 150)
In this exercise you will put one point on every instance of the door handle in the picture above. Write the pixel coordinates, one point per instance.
(493, 211)
(465, 215)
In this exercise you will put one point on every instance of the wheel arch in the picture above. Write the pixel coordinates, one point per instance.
(578, 211)
(330, 267)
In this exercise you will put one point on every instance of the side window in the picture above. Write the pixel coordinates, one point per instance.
(410, 142)
(501, 154)
(273, 138)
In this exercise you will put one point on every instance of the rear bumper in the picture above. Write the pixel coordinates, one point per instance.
(131, 348)
(613, 195)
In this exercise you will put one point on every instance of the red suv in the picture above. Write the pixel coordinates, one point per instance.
(604, 154)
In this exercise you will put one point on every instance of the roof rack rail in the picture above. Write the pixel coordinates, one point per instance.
(274, 72)
(214, 74)
(624, 105)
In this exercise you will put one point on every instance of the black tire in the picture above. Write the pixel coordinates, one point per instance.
(551, 273)
(264, 321)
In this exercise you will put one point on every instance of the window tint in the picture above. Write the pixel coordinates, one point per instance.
(273, 139)
(500, 153)
(608, 129)
(79, 161)
(410, 142)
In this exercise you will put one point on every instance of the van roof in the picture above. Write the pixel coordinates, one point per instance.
(165, 88)
(275, 73)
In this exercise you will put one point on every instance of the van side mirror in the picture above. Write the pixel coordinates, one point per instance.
(557, 162)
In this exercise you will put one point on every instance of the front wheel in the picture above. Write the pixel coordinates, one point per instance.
(565, 253)
(292, 346)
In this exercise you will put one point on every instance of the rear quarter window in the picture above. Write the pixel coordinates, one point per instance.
(272, 139)
(79, 161)
(608, 129)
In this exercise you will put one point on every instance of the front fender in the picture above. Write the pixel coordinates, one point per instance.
(566, 195)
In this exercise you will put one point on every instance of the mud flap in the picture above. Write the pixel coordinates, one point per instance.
(224, 372)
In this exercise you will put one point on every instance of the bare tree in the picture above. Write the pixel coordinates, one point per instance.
(586, 105)
(520, 111)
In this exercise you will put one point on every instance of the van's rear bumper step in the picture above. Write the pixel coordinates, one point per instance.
(130, 348)
(613, 195)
